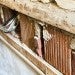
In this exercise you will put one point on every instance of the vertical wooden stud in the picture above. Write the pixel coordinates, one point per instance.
(27, 31)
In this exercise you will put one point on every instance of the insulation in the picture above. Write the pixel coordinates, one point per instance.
(8, 20)
(38, 38)
(65, 4)
(49, 13)
(72, 45)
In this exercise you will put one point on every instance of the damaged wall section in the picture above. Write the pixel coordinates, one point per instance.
(48, 42)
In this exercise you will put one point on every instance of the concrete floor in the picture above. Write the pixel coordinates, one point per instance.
(11, 64)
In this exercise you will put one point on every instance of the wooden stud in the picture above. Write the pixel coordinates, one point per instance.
(27, 31)
(58, 51)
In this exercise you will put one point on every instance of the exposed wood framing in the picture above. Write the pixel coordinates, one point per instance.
(58, 51)
(30, 55)
(27, 31)
(49, 13)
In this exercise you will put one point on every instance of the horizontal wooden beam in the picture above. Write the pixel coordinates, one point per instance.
(46, 68)
(49, 13)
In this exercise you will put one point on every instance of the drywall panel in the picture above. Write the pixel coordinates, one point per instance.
(11, 64)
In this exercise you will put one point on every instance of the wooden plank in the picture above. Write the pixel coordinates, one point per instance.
(58, 49)
(24, 59)
(27, 31)
(30, 55)
(49, 13)
(73, 62)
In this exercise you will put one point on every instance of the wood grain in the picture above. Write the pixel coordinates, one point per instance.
(58, 52)
(27, 31)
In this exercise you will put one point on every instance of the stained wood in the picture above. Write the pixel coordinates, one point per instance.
(51, 14)
(73, 63)
(58, 51)
(27, 31)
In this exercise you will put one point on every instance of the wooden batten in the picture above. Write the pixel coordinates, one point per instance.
(58, 51)
(27, 31)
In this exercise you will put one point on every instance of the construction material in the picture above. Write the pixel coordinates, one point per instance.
(8, 19)
(27, 31)
(38, 38)
(66, 4)
(57, 44)
(49, 13)
(58, 51)
(46, 68)
(10, 26)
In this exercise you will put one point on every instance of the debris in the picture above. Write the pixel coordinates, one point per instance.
(46, 35)
(10, 26)
(8, 19)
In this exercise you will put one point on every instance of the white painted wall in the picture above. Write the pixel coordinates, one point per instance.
(11, 64)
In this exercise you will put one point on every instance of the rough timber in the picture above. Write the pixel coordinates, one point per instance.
(49, 13)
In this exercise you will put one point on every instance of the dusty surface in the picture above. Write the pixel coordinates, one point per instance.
(66, 4)
(11, 64)
(49, 13)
